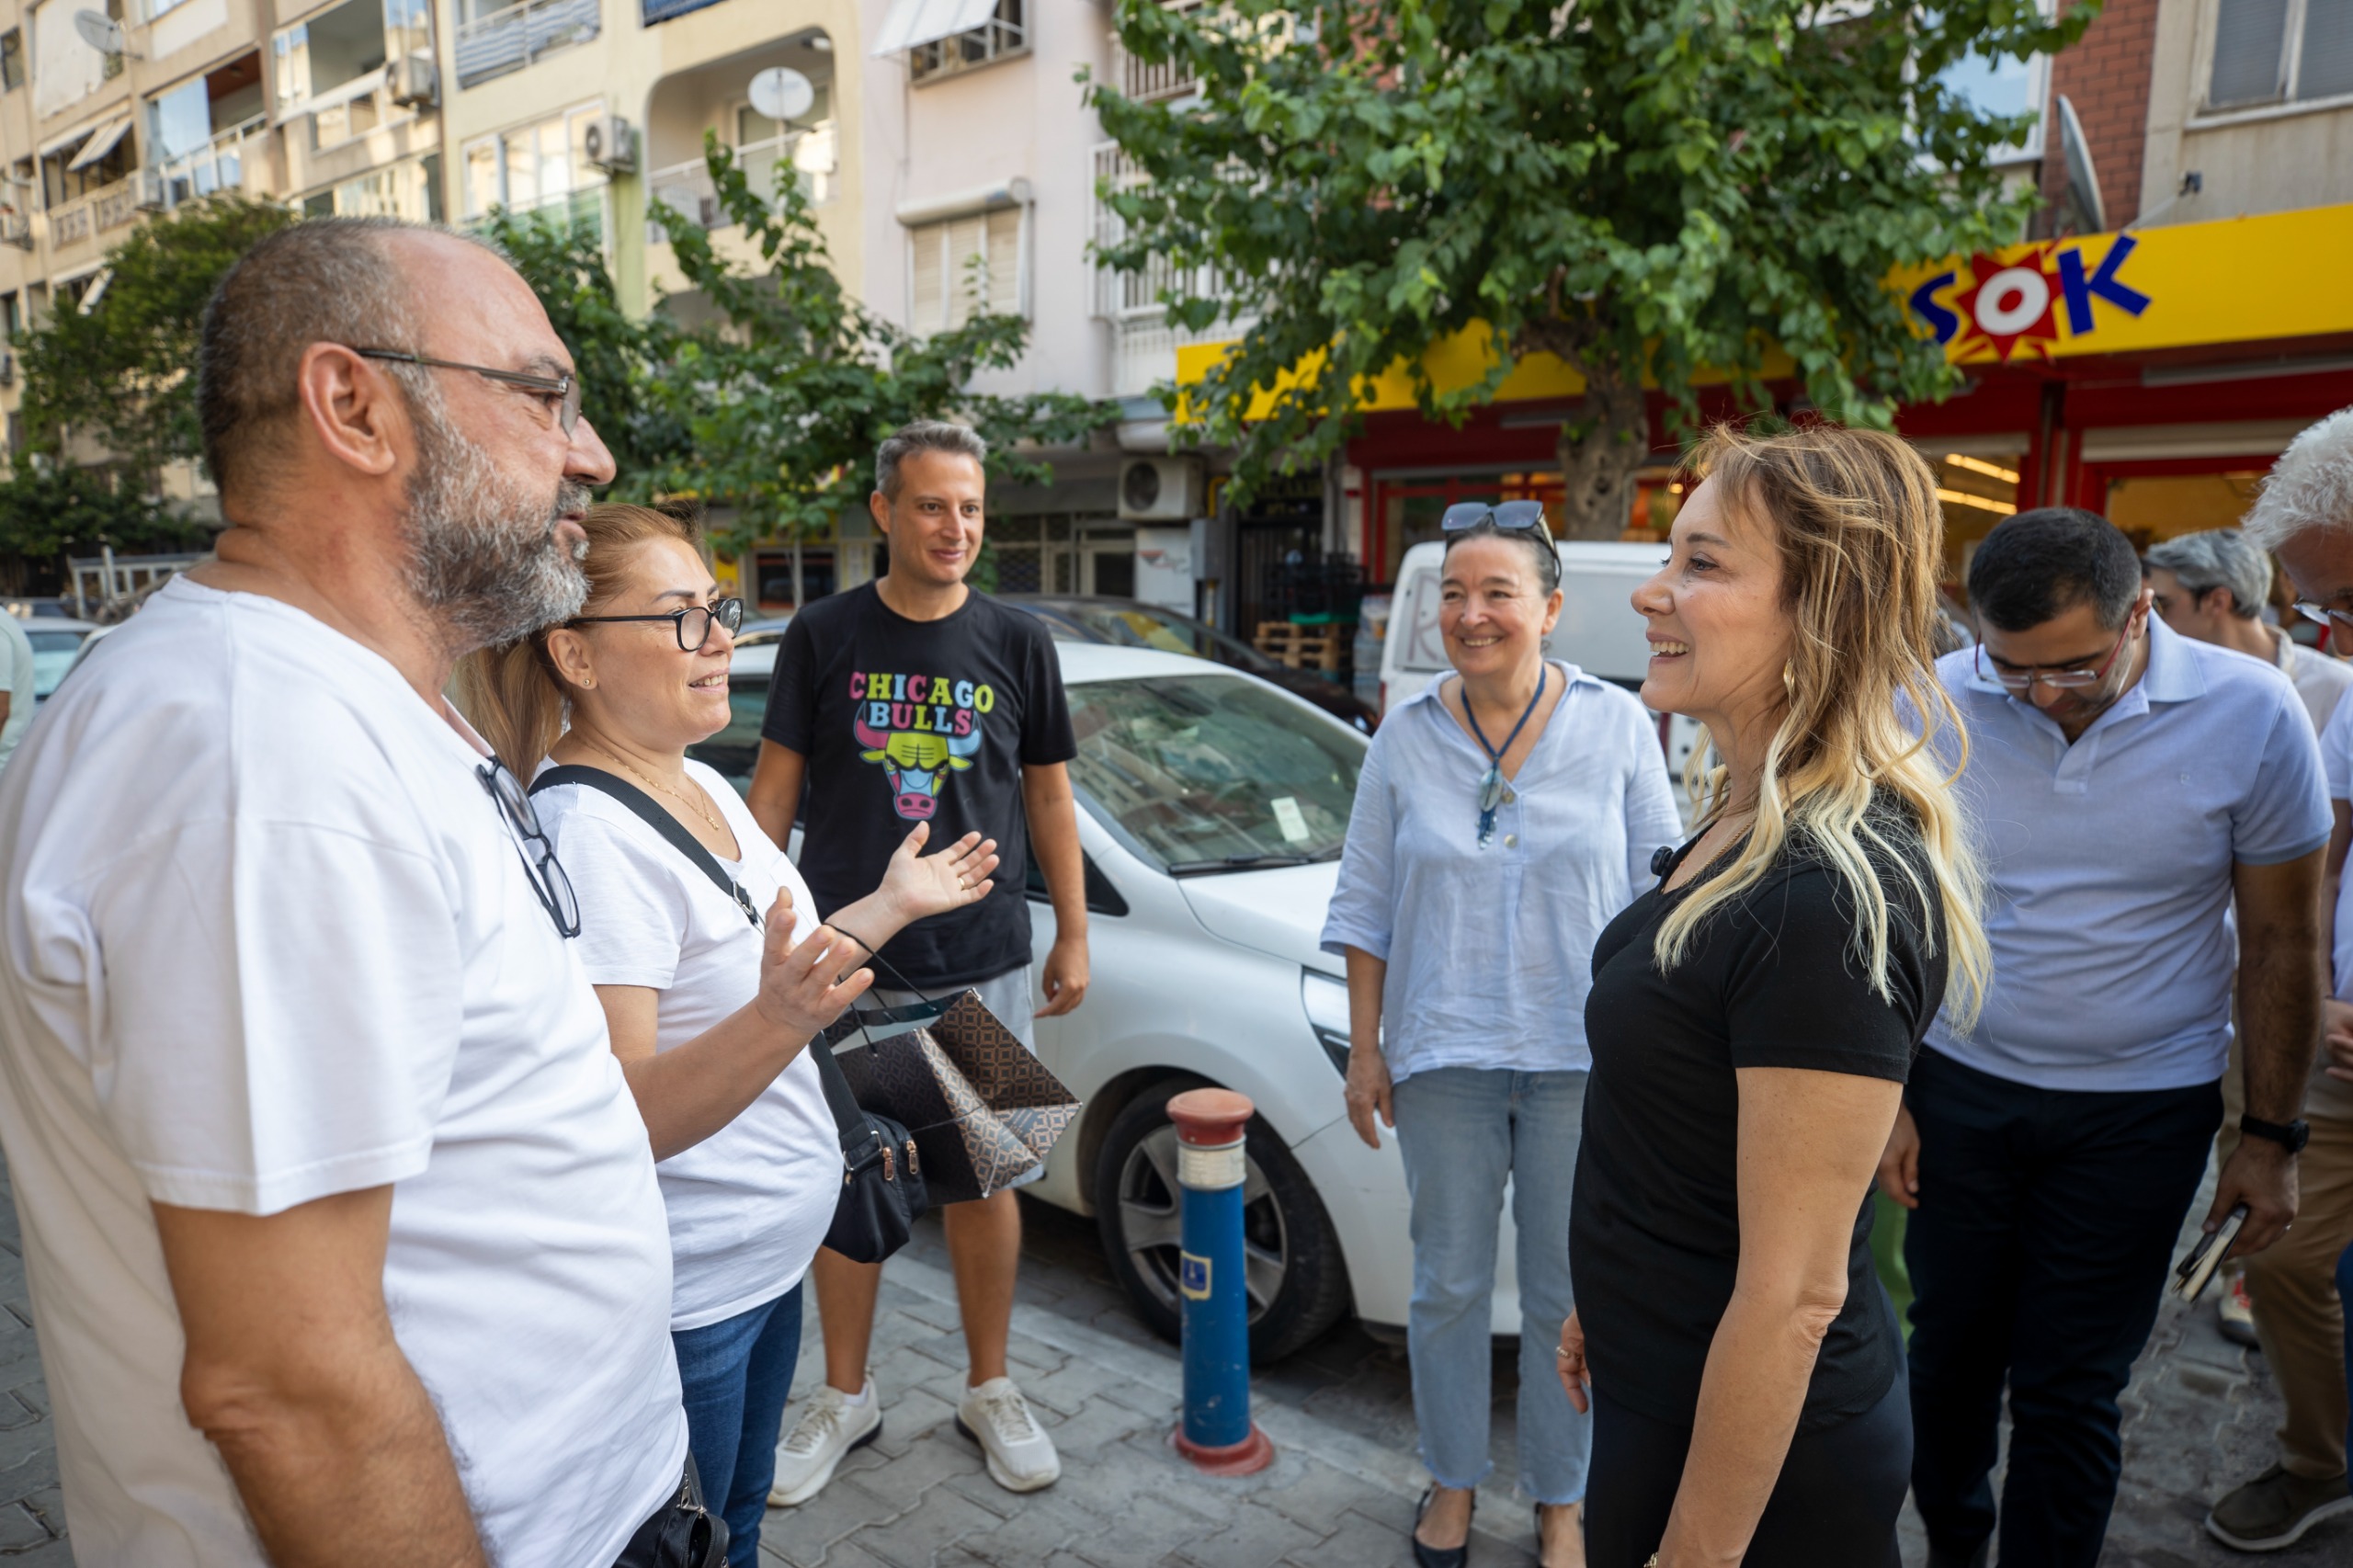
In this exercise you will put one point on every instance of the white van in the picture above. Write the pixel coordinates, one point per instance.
(1599, 630)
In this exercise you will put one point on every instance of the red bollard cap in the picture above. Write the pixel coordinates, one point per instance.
(1209, 1117)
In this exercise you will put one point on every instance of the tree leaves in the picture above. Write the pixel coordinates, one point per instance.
(1650, 189)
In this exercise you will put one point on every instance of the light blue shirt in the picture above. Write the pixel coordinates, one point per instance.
(1490, 951)
(2108, 863)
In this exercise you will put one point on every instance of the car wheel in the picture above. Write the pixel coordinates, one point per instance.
(1297, 1279)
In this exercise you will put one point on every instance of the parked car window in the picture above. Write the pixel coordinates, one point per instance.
(1200, 772)
(1141, 627)
(53, 656)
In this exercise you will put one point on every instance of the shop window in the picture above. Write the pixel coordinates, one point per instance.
(1003, 34)
(772, 578)
(962, 267)
(2280, 50)
(1976, 490)
(12, 60)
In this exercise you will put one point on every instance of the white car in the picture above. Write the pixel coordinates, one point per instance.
(1212, 809)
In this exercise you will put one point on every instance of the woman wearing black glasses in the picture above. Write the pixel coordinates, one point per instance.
(710, 993)
(1501, 817)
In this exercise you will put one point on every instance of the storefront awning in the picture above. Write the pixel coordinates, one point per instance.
(914, 22)
(2185, 286)
(102, 141)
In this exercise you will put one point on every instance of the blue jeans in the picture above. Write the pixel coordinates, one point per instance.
(1462, 1131)
(738, 1374)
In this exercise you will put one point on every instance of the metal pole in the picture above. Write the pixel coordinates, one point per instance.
(1216, 1432)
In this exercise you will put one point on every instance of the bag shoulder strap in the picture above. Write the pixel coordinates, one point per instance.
(656, 818)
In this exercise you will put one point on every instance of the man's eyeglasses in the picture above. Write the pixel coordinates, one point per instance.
(564, 388)
(533, 845)
(2325, 616)
(1512, 515)
(692, 623)
(2018, 683)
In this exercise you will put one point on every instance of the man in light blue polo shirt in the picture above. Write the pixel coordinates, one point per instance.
(2126, 787)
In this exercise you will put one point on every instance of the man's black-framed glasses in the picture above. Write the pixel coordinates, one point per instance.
(564, 388)
(2018, 683)
(531, 842)
(1510, 516)
(693, 623)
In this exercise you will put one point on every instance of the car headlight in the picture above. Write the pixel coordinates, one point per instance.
(1326, 1001)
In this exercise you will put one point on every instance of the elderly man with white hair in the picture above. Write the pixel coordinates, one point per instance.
(2305, 516)
(2212, 585)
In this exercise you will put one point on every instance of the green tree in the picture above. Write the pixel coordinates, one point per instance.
(121, 374)
(1644, 189)
(615, 355)
(783, 393)
(50, 511)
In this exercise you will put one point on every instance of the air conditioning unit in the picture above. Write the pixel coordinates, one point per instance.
(1160, 490)
(416, 84)
(610, 143)
(152, 195)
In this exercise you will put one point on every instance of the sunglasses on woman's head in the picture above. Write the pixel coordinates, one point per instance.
(1510, 515)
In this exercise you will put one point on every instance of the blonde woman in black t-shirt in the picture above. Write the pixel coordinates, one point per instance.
(1754, 1016)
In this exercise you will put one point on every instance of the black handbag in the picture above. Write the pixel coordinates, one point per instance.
(882, 1190)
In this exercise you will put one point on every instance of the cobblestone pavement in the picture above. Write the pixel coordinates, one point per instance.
(1340, 1494)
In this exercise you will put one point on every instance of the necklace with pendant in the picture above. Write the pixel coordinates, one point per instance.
(692, 804)
(1493, 792)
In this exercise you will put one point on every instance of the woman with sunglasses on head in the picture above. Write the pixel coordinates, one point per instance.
(1755, 1014)
(711, 995)
(1502, 818)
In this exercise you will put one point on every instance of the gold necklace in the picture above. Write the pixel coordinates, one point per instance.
(692, 804)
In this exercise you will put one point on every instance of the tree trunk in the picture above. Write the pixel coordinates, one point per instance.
(1600, 446)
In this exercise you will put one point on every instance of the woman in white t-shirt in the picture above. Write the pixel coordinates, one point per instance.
(707, 1013)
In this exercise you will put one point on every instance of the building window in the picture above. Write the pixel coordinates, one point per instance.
(106, 156)
(334, 62)
(537, 168)
(12, 319)
(411, 191)
(2007, 88)
(12, 60)
(961, 268)
(2279, 52)
(1003, 34)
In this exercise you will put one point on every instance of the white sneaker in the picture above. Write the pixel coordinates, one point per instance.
(1021, 1457)
(830, 1429)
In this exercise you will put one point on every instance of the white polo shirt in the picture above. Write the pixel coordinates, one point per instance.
(265, 938)
(2320, 679)
(2108, 863)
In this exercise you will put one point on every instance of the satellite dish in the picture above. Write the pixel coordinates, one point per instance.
(101, 33)
(2083, 180)
(781, 93)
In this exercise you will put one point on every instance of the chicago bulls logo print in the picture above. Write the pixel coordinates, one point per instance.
(923, 729)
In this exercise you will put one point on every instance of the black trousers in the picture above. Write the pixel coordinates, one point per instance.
(2039, 1254)
(1834, 1505)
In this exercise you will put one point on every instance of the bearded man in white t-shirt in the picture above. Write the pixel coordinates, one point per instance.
(341, 1226)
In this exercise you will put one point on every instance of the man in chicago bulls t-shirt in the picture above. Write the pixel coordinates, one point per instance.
(916, 699)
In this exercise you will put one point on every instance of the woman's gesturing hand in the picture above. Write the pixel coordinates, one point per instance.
(804, 989)
(1577, 1379)
(1367, 1093)
(924, 884)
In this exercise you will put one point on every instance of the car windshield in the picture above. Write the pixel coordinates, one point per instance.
(1213, 772)
(1136, 626)
(53, 655)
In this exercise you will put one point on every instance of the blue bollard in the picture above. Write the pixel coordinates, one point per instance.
(1216, 1432)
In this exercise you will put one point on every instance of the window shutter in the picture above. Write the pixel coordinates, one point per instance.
(2326, 68)
(1005, 259)
(928, 303)
(2248, 35)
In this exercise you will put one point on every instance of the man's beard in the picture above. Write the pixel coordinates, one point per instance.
(484, 558)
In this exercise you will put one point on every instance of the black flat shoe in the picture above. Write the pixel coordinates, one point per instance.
(1427, 1556)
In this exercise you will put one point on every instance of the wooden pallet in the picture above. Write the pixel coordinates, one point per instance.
(1299, 647)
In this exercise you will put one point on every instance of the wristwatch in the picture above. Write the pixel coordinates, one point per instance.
(2290, 1135)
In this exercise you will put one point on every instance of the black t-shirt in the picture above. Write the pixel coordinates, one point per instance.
(1772, 980)
(904, 721)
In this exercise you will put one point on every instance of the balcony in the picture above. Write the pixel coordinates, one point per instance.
(1143, 82)
(686, 188)
(1003, 34)
(492, 45)
(69, 225)
(115, 206)
(218, 166)
(1144, 344)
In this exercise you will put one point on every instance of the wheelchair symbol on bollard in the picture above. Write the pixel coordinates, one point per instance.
(1216, 1432)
